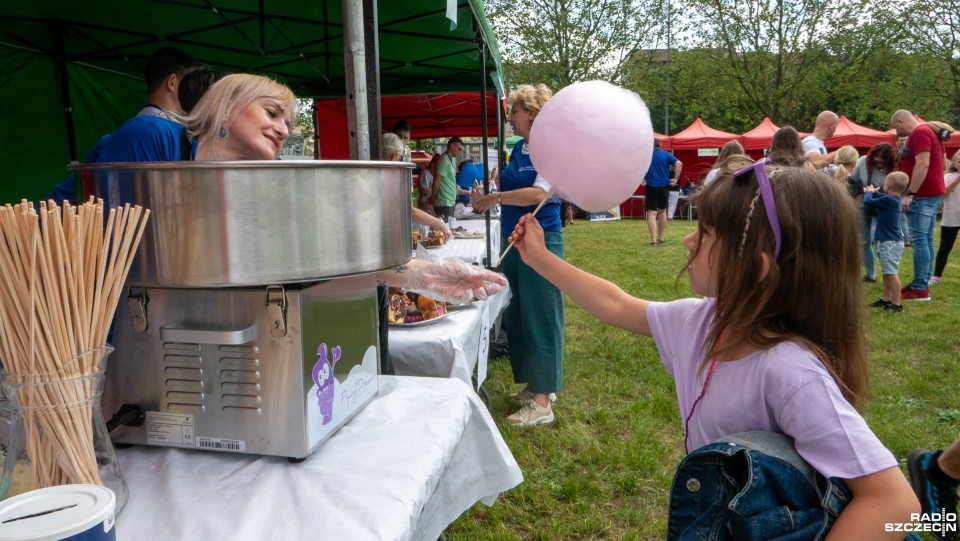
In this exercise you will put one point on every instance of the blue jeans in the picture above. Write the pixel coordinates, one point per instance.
(922, 219)
(753, 486)
(869, 258)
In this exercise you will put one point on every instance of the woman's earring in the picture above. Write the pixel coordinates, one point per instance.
(224, 133)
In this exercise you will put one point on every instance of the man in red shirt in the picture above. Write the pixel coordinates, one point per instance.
(922, 160)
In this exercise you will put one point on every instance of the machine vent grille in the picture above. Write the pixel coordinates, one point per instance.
(183, 378)
(240, 380)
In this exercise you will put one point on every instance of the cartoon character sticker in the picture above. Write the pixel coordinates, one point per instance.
(323, 377)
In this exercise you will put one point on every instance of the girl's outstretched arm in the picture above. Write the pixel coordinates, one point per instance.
(601, 298)
(880, 498)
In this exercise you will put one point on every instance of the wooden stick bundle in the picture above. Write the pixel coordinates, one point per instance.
(61, 276)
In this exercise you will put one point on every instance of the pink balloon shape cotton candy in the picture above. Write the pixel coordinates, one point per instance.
(593, 142)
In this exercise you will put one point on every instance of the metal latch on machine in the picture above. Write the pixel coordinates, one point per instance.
(138, 308)
(275, 301)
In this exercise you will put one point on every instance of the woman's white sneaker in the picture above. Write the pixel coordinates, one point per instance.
(532, 414)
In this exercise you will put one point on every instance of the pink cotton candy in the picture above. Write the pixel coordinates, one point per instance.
(593, 142)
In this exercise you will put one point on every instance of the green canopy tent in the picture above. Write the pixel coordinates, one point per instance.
(72, 70)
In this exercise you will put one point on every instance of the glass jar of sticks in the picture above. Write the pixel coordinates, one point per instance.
(61, 275)
(57, 433)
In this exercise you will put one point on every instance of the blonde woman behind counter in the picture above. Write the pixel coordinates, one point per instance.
(534, 317)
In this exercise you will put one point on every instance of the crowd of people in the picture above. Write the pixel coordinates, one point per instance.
(919, 153)
(755, 335)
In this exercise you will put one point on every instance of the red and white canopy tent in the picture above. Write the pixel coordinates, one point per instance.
(689, 144)
(430, 115)
(861, 137)
(760, 137)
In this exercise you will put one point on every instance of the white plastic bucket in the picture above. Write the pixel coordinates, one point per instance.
(61, 513)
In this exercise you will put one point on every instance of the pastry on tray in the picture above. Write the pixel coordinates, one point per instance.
(462, 233)
(408, 307)
(435, 237)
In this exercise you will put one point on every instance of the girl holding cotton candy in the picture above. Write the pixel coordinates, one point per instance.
(767, 391)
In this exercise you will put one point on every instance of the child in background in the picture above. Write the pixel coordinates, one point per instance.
(776, 344)
(888, 237)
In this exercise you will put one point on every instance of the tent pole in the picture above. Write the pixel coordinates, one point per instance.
(484, 151)
(316, 134)
(371, 40)
(57, 33)
(354, 63)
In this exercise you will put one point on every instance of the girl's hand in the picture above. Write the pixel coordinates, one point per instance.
(527, 238)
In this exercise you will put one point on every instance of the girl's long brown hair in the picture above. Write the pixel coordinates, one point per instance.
(811, 294)
(786, 148)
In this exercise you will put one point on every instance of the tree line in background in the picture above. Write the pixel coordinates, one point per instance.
(732, 63)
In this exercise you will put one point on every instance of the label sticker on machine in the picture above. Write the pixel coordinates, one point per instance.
(221, 444)
(170, 429)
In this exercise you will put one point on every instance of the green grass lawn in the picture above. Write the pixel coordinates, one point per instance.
(603, 469)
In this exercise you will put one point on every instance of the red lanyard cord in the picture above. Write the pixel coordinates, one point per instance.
(686, 422)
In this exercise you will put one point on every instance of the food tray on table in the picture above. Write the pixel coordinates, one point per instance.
(407, 309)
(421, 323)
(464, 233)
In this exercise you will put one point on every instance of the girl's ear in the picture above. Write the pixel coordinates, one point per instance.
(764, 266)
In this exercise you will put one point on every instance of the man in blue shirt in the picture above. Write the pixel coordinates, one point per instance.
(657, 194)
(150, 136)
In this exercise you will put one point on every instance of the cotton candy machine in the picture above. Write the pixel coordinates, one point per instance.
(250, 320)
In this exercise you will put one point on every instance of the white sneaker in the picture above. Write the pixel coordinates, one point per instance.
(525, 395)
(532, 414)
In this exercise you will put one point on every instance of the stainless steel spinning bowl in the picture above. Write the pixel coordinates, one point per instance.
(261, 222)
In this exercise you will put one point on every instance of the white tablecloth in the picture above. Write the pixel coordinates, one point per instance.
(473, 251)
(448, 348)
(404, 468)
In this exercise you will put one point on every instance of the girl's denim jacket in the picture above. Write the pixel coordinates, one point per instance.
(752, 486)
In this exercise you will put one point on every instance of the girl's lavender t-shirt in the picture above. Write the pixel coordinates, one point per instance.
(783, 389)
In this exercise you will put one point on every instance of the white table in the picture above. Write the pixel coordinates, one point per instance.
(403, 469)
(449, 348)
(471, 250)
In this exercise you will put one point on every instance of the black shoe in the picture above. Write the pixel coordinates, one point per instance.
(879, 303)
(934, 496)
(869, 279)
(890, 307)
